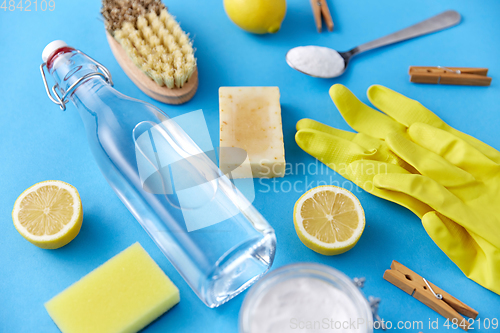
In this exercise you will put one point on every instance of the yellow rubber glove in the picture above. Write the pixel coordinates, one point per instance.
(458, 177)
(400, 113)
(478, 259)
(462, 186)
(345, 151)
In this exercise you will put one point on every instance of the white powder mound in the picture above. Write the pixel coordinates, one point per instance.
(304, 305)
(316, 61)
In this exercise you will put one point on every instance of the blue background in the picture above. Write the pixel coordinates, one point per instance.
(39, 142)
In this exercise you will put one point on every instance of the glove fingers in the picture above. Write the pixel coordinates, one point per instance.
(365, 141)
(487, 150)
(361, 117)
(352, 162)
(477, 258)
(337, 153)
(423, 189)
(408, 111)
(452, 149)
(404, 110)
(315, 125)
(427, 162)
(362, 173)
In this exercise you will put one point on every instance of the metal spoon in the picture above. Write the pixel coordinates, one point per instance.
(326, 63)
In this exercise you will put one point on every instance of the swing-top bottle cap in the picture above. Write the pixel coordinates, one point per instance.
(51, 47)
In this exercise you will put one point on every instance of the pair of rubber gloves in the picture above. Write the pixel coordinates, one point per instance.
(408, 155)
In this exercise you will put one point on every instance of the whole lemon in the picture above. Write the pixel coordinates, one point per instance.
(257, 16)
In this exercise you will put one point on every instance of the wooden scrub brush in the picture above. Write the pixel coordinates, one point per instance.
(152, 49)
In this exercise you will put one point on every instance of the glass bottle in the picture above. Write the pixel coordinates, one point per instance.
(218, 260)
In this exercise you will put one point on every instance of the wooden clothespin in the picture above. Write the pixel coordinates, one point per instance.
(450, 75)
(429, 294)
(320, 9)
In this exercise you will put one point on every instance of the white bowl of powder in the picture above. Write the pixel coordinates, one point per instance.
(305, 297)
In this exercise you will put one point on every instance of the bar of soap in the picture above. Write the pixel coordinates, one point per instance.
(250, 119)
(123, 295)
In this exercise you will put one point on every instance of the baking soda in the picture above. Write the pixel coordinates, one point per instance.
(304, 305)
(316, 61)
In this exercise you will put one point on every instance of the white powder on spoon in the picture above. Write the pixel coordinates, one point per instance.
(304, 305)
(316, 61)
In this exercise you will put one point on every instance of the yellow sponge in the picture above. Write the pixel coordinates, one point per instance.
(125, 294)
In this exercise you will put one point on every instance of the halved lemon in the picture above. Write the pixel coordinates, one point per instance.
(329, 219)
(48, 214)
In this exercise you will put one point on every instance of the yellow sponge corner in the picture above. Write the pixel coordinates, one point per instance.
(123, 295)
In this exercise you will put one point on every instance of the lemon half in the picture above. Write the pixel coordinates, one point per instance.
(329, 219)
(48, 214)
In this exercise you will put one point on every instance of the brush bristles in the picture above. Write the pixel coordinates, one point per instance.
(116, 12)
(158, 46)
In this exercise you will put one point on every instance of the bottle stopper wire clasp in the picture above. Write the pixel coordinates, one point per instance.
(61, 101)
